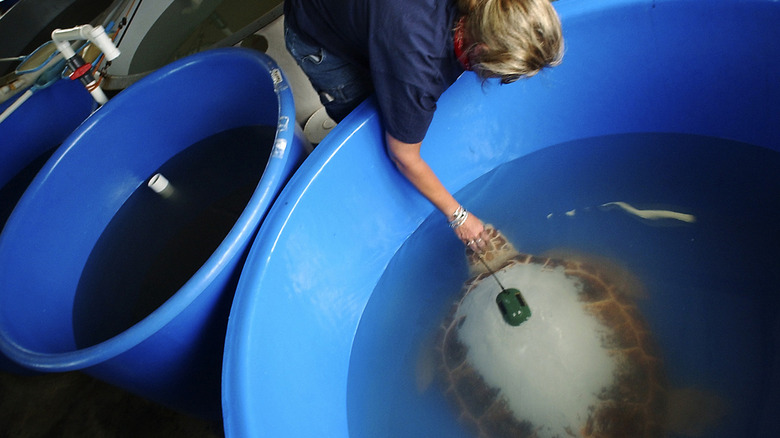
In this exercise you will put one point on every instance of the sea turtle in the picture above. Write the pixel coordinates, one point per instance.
(584, 364)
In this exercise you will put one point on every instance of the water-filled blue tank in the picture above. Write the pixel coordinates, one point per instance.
(308, 313)
(54, 245)
(41, 124)
(29, 135)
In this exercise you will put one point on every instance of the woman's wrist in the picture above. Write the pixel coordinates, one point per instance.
(458, 217)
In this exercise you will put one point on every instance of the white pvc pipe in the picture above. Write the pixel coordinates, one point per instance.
(23, 98)
(98, 94)
(62, 40)
(158, 183)
(99, 38)
(161, 185)
(95, 35)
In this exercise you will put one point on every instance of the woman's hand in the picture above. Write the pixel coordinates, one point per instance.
(472, 233)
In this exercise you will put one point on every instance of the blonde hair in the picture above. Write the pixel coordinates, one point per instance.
(511, 39)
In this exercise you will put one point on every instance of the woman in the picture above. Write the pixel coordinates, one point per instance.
(409, 52)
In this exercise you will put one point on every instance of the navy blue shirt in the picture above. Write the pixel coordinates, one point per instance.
(405, 44)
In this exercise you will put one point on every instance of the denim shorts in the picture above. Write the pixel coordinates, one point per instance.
(342, 86)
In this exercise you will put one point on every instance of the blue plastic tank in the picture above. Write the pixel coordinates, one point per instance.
(29, 136)
(312, 333)
(41, 124)
(64, 308)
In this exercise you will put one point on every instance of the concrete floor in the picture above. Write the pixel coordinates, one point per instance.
(76, 405)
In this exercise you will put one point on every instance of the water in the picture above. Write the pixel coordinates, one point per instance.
(709, 286)
(560, 329)
(13, 190)
(155, 243)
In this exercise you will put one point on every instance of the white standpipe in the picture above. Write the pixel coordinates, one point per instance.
(62, 38)
(161, 185)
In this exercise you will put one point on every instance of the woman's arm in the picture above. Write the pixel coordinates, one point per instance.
(407, 159)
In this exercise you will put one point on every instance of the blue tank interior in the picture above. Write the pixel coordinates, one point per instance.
(173, 355)
(313, 279)
(23, 140)
(25, 146)
(631, 67)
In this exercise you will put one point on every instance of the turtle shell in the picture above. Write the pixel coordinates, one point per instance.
(631, 405)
